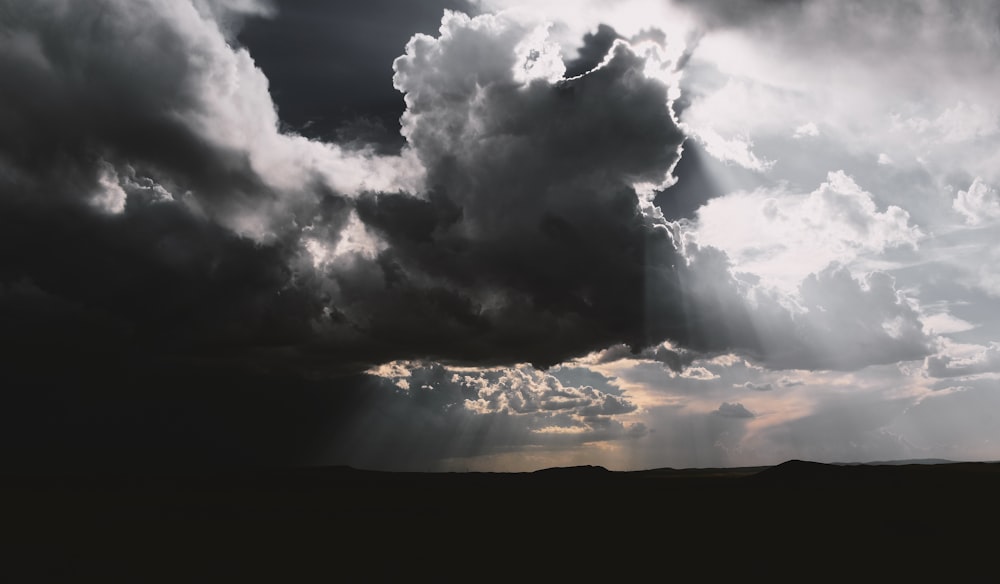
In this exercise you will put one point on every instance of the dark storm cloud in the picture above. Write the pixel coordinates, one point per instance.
(595, 47)
(531, 220)
(328, 62)
(93, 90)
(514, 255)
(160, 236)
(101, 97)
(530, 244)
(674, 359)
(154, 219)
(695, 184)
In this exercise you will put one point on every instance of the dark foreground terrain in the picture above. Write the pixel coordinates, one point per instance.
(333, 524)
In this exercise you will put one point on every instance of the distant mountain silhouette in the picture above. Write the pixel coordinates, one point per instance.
(904, 461)
(281, 524)
(576, 471)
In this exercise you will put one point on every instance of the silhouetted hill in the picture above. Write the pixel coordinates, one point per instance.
(279, 524)
(946, 476)
(902, 462)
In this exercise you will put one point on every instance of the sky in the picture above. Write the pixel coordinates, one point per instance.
(498, 235)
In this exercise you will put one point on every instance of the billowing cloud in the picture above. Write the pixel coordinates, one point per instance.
(734, 410)
(428, 414)
(328, 65)
(790, 235)
(833, 320)
(980, 203)
(516, 225)
(181, 161)
(156, 86)
(159, 213)
(972, 360)
(533, 219)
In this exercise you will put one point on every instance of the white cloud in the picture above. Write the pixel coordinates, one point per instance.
(823, 63)
(110, 196)
(808, 129)
(782, 236)
(943, 323)
(574, 18)
(755, 386)
(699, 373)
(960, 361)
(539, 401)
(980, 203)
(736, 149)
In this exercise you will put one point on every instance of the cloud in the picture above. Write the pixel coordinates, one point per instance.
(158, 87)
(328, 65)
(980, 203)
(183, 168)
(157, 214)
(524, 391)
(977, 361)
(736, 149)
(833, 320)
(806, 130)
(534, 218)
(515, 226)
(452, 413)
(766, 68)
(792, 234)
(734, 410)
(757, 386)
(883, 326)
(789, 382)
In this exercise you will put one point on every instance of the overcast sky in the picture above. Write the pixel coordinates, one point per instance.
(499, 234)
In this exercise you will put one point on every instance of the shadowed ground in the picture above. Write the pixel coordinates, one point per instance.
(327, 523)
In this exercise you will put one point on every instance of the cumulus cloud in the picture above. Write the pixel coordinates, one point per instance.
(734, 410)
(673, 358)
(972, 361)
(806, 130)
(156, 212)
(157, 86)
(980, 203)
(736, 149)
(525, 391)
(185, 153)
(792, 235)
(534, 219)
(832, 320)
(514, 227)
(444, 413)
